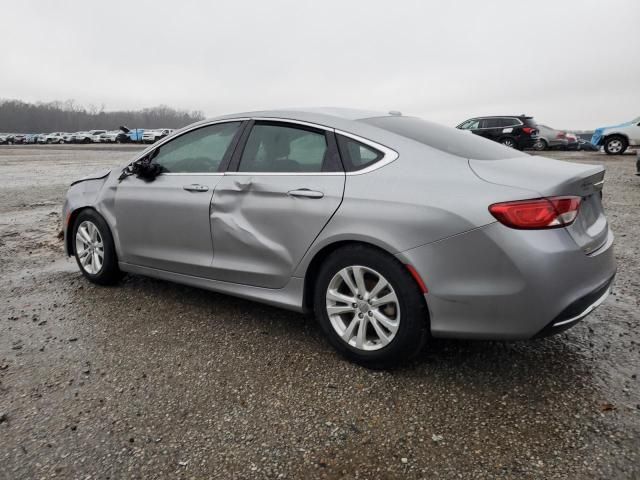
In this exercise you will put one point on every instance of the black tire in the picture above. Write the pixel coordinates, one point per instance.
(540, 145)
(615, 145)
(509, 142)
(413, 324)
(109, 273)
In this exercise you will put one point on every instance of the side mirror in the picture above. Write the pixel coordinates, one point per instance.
(143, 168)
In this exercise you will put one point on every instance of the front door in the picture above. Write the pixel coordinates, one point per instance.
(164, 223)
(286, 184)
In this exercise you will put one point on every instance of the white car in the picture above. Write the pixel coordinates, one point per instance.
(152, 136)
(617, 138)
(92, 136)
(109, 137)
(56, 137)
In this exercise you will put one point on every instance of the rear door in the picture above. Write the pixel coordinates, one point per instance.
(491, 128)
(164, 223)
(282, 188)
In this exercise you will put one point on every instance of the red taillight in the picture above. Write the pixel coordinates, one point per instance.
(552, 212)
(528, 130)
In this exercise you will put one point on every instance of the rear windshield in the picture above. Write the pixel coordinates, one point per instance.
(451, 140)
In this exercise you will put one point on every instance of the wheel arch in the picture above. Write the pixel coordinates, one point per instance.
(310, 274)
(607, 136)
(70, 221)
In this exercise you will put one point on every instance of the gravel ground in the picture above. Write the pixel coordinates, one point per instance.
(155, 380)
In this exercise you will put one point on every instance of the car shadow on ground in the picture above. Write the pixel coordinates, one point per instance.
(140, 303)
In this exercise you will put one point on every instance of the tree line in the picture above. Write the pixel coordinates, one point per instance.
(21, 117)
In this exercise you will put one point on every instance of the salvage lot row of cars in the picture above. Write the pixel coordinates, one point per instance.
(516, 131)
(123, 135)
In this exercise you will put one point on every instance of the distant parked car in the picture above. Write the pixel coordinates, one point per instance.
(5, 139)
(587, 145)
(549, 138)
(42, 138)
(110, 137)
(152, 136)
(572, 141)
(67, 137)
(31, 138)
(617, 138)
(92, 136)
(515, 131)
(18, 138)
(130, 135)
(56, 137)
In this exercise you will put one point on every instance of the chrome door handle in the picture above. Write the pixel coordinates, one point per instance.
(306, 193)
(196, 188)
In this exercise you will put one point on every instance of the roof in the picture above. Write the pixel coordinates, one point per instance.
(329, 116)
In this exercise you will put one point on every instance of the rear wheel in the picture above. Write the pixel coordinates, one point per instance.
(370, 307)
(509, 142)
(94, 248)
(615, 145)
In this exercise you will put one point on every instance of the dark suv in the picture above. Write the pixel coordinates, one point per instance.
(515, 131)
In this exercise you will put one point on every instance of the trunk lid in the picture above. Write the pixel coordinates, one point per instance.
(547, 177)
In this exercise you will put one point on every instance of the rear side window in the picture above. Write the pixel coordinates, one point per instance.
(491, 123)
(283, 148)
(529, 122)
(357, 155)
(447, 139)
(510, 122)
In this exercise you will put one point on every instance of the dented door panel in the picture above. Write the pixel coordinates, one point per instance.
(262, 225)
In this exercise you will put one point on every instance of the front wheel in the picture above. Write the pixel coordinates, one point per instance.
(540, 145)
(370, 307)
(94, 248)
(615, 145)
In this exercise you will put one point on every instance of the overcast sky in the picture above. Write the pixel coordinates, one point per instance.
(569, 63)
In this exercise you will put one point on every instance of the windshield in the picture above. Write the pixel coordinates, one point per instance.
(450, 140)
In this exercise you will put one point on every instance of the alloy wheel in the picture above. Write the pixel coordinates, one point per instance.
(363, 308)
(89, 247)
(615, 145)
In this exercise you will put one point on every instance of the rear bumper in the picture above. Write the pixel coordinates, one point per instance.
(526, 142)
(578, 310)
(499, 283)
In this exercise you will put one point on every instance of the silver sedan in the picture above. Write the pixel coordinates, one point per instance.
(390, 229)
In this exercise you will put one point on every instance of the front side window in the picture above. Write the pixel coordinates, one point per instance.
(197, 151)
(356, 155)
(283, 148)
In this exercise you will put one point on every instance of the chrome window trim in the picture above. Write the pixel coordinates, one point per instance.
(182, 131)
(185, 174)
(388, 155)
(286, 174)
(296, 122)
